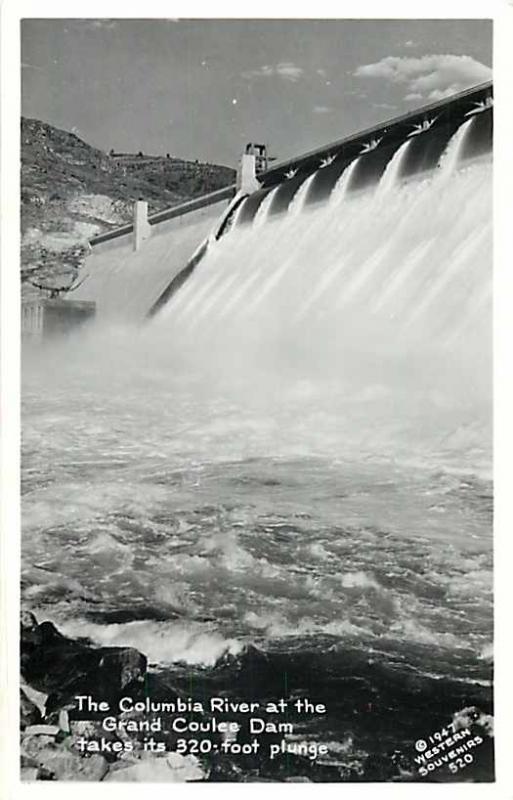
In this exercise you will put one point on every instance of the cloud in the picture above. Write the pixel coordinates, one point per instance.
(355, 93)
(429, 77)
(411, 43)
(390, 106)
(322, 109)
(289, 71)
(440, 94)
(285, 70)
(104, 24)
(24, 65)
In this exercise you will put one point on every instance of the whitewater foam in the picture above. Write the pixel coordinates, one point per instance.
(162, 643)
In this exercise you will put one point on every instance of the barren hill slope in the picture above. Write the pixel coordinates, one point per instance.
(71, 191)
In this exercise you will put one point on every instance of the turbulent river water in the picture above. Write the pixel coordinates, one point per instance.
(295, 456)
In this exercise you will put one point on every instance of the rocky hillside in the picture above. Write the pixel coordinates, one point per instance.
(71, 191)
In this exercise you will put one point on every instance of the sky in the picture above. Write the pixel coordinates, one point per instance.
(204, 88)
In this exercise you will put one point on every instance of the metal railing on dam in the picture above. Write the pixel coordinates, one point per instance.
(428, 130)
(169, 213)
(396, 129)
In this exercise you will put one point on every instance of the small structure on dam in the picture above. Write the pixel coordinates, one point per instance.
(133, 271)
(46, 318)
(55, 314)
(262, 157)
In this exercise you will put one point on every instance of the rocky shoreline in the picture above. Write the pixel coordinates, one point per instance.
(59, 739)
(56, 669)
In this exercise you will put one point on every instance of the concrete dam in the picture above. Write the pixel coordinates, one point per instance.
(370, 218)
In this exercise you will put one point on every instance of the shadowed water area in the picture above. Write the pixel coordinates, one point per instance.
(282, 485)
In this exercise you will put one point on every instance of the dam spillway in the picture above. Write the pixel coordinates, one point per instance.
(402, 256)
(130, 286)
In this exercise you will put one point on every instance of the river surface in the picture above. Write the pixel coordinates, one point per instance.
(168, 514)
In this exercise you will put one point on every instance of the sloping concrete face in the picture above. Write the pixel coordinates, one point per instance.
(125, 284)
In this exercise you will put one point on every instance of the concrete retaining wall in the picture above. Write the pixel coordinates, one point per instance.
(125, 284)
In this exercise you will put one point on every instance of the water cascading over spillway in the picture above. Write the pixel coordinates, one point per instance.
(403, 262)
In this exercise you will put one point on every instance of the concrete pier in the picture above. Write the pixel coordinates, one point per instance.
(142, 228)
(246, 175)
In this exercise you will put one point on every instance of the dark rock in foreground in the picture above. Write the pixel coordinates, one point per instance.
(29, 712)
(64, 668)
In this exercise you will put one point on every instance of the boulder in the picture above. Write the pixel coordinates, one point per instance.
(28, 774)
(27, 761)
(64, 668)
(173, 768)
(63, 765)
(48, 757)
(142, 772)
(28, 622)
(29, 712)
(93, 730)
(33, 745)
(35, 697)
(64, 722)
(224, 769)
(42, 730)
(186, 768)
(379, 767)
(121, 666)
